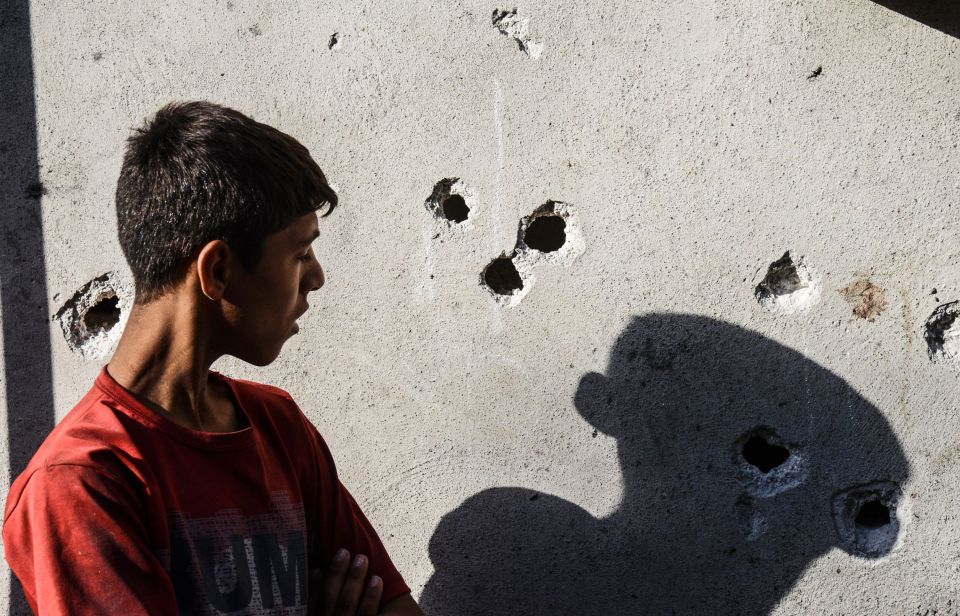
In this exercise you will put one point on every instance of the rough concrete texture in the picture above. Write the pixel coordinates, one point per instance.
(584, 450)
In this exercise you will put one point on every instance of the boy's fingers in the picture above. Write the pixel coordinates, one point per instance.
(352, 590)
(371, 597)
(333, 582)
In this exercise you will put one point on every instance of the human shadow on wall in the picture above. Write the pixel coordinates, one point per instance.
(742, 461)
(23, 284)
(944, 15)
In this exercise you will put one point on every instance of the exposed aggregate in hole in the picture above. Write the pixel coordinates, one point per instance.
(91, 319)
(510, 24)
(766, 464)
(788, 287)
(867, 299)
(942, 333)
(451, 201)
(868, 518)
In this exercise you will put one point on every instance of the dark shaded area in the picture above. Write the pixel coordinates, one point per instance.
(686, 537)
(502, 276)
(546, 233)
(23, 285)
(455, 208)
(758, 452)
(944, 15)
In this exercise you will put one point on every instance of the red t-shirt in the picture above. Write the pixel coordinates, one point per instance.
(122, 511)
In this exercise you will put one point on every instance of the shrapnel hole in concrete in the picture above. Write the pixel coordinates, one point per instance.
(455, 208)
(867, 519)
(104, 314)
(502, 276)
(782, 278)
(546, 233)
(873, 514)
(766, 457)
(942, 332)
(789, 286)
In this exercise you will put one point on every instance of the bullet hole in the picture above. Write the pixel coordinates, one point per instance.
(104, 314)
(758, 452)
(334, 41)
(815, 73)
(255, 30)
(509, 24)
(35, 190)
(502, 276)
(90, 319)
(97, 56)
(873, 514)
(766, 464)
(455, 208)
(451, 201)
(867, 518)
(942, 333)
(550, 234)
(788, 286)
(546, 233)
(866, 298)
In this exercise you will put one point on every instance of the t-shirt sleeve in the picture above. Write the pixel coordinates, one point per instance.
(343, 525)
(76, 542)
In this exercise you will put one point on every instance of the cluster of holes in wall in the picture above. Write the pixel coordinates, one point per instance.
(548, 235)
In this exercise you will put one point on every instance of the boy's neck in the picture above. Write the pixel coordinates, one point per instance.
(164, 358)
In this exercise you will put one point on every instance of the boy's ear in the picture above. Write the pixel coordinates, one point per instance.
(214, 265)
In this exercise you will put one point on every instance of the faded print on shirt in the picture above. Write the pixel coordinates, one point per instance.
(232, 564)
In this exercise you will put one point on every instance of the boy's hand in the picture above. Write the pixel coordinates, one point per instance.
(342, 592)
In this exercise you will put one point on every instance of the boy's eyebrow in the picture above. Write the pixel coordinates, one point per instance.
(309, 240)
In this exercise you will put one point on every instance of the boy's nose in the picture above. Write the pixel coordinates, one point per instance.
(319, 280)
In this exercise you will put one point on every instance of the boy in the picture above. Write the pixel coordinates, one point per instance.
(171, 488)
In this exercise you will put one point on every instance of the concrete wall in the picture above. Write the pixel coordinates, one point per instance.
(759, 207)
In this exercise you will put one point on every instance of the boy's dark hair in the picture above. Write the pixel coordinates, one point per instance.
(198, 172)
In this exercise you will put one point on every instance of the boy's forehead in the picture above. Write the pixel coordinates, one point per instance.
(303, 229)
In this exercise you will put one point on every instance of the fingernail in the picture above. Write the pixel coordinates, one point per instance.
(358, 561)
(375, 581)
(341, 555)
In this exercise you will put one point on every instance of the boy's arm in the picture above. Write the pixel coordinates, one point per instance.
(74, 537)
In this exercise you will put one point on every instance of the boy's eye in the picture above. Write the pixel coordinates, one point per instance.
(305, 257)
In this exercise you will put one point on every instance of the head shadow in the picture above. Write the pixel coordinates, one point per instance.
(742, 460)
